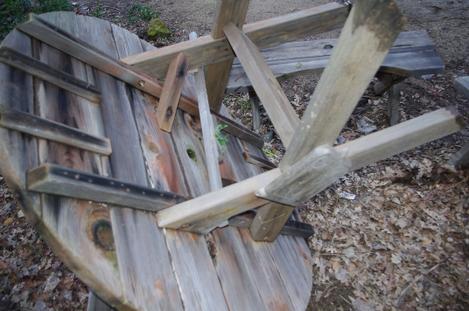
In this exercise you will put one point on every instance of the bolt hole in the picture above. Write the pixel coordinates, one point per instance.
(102, 234)
(191, 154)
(328, 46)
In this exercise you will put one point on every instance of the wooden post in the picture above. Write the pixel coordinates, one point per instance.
(274, 100)
(171, 93)
(366, 38)
(208, 129)
(229, 11)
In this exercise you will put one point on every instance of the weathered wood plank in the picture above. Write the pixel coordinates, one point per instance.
(146, 272)
(172, 88)
(229, 11)
(203, 212)
(62, 181)
(30, 124)
(207, 50)
(97, 304)
(190, 258)
(412, 54)
(275, 102)
(40, 70)
(269, 221)
(90, 255)
(460, 160)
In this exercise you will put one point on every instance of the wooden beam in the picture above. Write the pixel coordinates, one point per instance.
(44, 72)
(208, 129)
(30, 124)
(61, 40)
(267, 88)
(269, 221)
(172, 88)
(62, 181)
(366, 38)
(292, 227)
(229, 11)
(364, 42)
(206, 211)
(207, 50)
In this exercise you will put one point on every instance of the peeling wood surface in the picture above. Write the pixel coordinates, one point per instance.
(135, 264)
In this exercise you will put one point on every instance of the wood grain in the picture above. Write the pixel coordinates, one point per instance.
(267, 88)
(59, 78)
(207, 50)
(30, 124)
(217, 75)
(210, 209)
(171, 93)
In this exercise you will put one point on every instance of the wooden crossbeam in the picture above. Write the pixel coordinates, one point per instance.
(205, 212)
(66, 42)
(267, 88)
(44, 72)
(207, 50)
(39, 127)
(62, 181)
(364, 42)
(172, 88)
(229, 11)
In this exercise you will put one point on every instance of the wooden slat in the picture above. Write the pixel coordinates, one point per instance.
(205, 211)
(207, 50)
(267, 88)
(30, 124)
(269, 221)
(365, 40)
(65, 219)
(171, 93)
(146, 272)
(40, 70)
(58, 180)
(229, 11)
(412, 54)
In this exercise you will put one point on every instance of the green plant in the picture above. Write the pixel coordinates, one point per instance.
(245, 104)
(221, 138)
(140, 12)
(269, 152)
(98, 10)
(157, 28)
(13, 12)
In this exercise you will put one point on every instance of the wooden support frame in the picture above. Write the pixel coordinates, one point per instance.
(364, 42)
(62, 181)
(267, 88)
(43, 71)
(39, 127)
(207, 50)
(205, 212)
(217, 75)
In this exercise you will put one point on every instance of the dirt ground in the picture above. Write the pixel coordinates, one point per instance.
(392, 236)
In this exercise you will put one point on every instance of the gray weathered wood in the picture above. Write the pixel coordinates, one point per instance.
(412, 54)
(460, 160)
(57, 180)
(462, 84)
(204, 211)
(97, 304)
(40, 70)
(394, 103)
(30, 124)
(207, 50)
(172, 88)
(217, 75)
(274, 100)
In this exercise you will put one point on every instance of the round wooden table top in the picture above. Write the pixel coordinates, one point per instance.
(120, 253)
